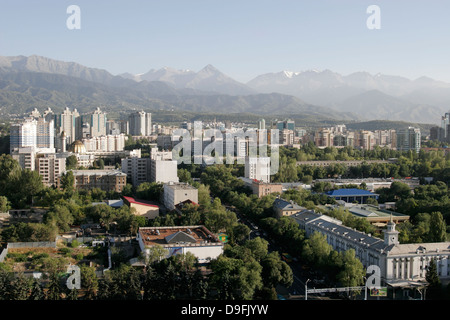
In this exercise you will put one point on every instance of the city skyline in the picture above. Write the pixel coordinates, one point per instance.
(243, 40)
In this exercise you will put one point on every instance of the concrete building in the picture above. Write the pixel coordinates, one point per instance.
(70, 123)
(174, 193)
(95, 122)
(409, 139)
(106, 180)
(137, 169)
(140, 123)
(198, 240)
(50, 166)
(32, 132)
(262, 189)
(105, 143)
(163, 168)
(258, 168)
(25, 156)
(164, 171)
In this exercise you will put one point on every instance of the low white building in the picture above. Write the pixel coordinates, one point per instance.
(197, 240)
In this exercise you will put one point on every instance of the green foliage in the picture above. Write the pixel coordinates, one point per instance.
(71, 162)
(149, 191)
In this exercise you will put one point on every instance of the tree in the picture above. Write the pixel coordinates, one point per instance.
(316, 249)
(155, 254)
(5, 205)
(434, 283)
(68, 182)
(54, 287)
(438, 228)
(149, 191)
(71, 162)
(275, 271)
(352, 273)
(59, 216)
(89, 281)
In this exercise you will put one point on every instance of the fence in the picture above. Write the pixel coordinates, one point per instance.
(3, 254)
(42, 244)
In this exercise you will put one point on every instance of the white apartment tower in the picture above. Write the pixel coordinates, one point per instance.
(258, 168)
(97, 123)
(140, 123)
(70, 123)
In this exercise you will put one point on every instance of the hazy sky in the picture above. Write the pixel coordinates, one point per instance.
(242, 38)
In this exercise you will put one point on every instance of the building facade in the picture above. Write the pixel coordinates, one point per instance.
(106, 180)
(140, 123)
(401, 265)
(174, 193)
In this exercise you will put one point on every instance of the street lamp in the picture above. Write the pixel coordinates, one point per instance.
(306, 289)
(365, 288)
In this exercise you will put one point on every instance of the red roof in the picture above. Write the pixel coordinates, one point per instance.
(141, 202)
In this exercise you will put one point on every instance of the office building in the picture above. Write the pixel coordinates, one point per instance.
(408, 139)
(70, 123)
(32, 132)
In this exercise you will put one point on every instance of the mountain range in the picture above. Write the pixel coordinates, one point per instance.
(35, 81)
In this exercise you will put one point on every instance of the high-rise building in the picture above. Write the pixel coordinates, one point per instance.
(262, 124)
(163, 168)
(23, 134)
(258, 168)
(70, 123)
(408, 139)
(96, 123)
(140, 123)
(32, 132)
(445, 121)
(45, 133)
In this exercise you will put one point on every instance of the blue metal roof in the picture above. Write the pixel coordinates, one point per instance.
(349, 192)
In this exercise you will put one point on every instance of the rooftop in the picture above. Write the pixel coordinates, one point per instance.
(176, 236)
(130, 200)
(98, 173)
(286, 205)
(349, 192)
(179, 185)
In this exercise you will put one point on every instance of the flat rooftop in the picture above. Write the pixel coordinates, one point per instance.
(178, 235)
(180, 186)
(98, 172)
